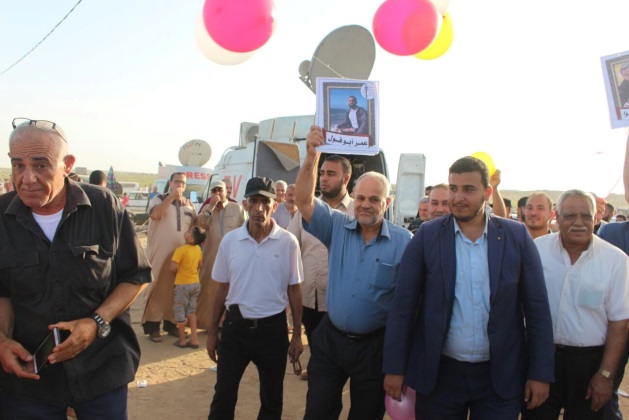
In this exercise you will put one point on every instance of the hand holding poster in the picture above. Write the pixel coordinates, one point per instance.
(347, 111)
(616, 75)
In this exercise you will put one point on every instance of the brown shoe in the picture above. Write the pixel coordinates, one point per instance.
(155, 337)
(304, 375)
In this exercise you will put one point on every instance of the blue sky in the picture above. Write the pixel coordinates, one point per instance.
(522, 82)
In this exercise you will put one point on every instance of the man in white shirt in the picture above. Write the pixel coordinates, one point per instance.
(258, 270)
(588, 293)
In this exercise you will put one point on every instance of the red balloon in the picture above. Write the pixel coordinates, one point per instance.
(239, 25)
(401, 410)
(405, 27)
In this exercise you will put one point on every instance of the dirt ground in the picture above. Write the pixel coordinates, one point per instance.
(180, 383)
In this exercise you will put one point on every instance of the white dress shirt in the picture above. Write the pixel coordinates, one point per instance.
(583, 297)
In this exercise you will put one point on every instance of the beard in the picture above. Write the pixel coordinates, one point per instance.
(332, 193)
(470, 215)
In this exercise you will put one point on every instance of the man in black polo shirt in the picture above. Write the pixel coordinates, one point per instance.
(69, 258)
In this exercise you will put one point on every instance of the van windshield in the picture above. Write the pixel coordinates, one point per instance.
(197, 188)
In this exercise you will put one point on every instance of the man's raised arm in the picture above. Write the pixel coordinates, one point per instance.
(625, 172)
(307, 177)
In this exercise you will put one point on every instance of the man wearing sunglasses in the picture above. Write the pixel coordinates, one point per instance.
(70, 259)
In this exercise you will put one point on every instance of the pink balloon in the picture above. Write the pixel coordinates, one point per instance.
(405, 27)
(215, 52)
(239, 25)
(401, 410)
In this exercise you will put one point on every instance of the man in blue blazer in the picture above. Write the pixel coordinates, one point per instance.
(616, 234)
(470, 327)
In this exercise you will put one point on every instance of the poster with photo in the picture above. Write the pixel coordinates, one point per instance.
(347, 111)
(616, 75)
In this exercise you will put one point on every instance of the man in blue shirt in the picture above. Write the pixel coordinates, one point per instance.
(618, 234)
(456, 332)
(364, 254)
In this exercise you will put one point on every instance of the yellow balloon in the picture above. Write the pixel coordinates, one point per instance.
(442, 41)
(491, 167)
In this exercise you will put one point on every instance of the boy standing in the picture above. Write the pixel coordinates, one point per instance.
(185, 264)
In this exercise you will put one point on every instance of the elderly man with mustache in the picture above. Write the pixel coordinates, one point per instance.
(586, 279)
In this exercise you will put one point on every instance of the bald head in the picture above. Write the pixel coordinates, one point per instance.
(55, 137)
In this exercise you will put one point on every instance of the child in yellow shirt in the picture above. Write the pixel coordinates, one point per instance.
(185, 263)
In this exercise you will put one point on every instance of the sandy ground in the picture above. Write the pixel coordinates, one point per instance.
(180, 384)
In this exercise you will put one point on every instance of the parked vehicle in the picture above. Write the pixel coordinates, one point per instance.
(138, 201)
(129, 187)
(275, 148)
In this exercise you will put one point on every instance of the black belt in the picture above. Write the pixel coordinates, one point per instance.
(560, 348)
(357, 337)
(257, 322)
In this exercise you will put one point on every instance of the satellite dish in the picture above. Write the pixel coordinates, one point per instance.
(304, 68)
(348, 52)
(195, 153)
(248, 133)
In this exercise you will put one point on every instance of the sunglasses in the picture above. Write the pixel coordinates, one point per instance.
(43, 124)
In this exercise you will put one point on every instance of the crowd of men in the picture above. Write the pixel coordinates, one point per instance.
(481, 315)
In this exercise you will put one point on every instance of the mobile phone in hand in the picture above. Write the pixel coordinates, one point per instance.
(40, 358)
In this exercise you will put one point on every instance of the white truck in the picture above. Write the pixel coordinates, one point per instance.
(276, 147)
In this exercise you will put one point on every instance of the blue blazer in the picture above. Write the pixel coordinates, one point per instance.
(616, 234)
(419, 319)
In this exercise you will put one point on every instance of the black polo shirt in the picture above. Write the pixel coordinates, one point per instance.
(94, 249)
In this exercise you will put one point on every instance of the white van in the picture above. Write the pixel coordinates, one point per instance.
(279, 148)
(129, 186)
(138, 201)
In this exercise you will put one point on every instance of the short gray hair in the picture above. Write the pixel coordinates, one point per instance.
(378, 177)
(280, 182)
(54, 133)
(579, 194)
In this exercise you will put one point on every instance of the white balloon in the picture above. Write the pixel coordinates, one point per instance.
(215, 52)
(441, 5)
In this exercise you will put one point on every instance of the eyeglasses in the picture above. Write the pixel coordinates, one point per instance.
(43, 124)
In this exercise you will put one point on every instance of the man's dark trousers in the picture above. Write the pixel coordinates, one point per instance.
(266, 345)
(333, 359)
(463, 388)
(109, 406)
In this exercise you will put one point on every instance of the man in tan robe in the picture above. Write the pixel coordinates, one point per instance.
(171, 216)
(217, 217)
